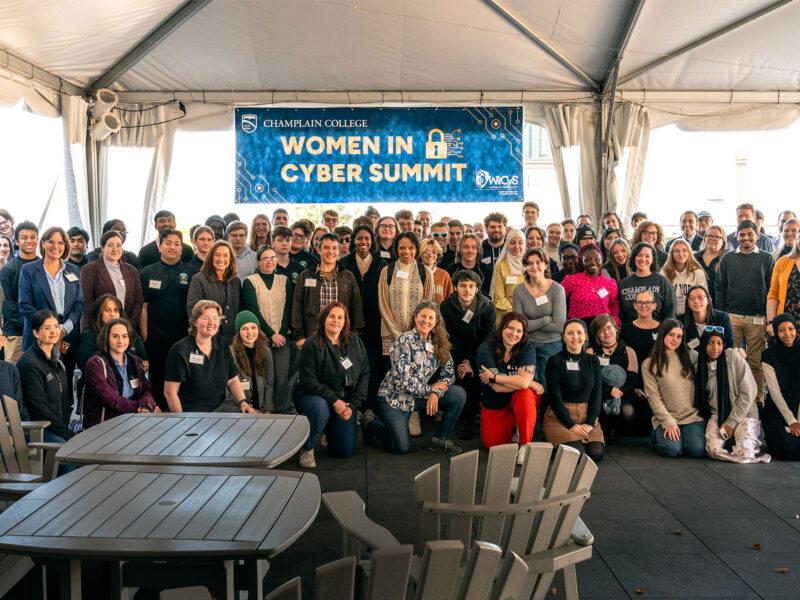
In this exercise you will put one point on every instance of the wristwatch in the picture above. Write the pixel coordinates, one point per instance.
(493, 379)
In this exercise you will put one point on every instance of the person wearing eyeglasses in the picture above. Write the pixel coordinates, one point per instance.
(345, 235)
(301, 235)
(218, 281)
(430, 254)
(268, 295)
(641, 333)
(725, 393)
(110, 275)
(651, 233)
(713, 249)
(128, 257)
(200, 368)
(700, 315)
(386, 230)
(26, 236)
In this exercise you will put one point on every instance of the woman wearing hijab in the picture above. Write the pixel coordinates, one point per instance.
(724, 394)
(509, 272)
(781, 362)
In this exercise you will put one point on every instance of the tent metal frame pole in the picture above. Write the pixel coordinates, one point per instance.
(144, 47)
(622, 44)
(604, 154)
(704, 40)
(563, 60)
(31, 72)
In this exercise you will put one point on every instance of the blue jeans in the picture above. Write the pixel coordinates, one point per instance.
(691, 443)
(341, 434)
(52, 438)
(391, 426)
(544, 350)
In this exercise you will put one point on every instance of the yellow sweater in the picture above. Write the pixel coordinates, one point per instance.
(504, 285)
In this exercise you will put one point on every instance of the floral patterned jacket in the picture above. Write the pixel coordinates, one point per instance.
(414, 363)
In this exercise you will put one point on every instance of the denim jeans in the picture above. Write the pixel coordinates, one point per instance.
(544, 350)
(341, 434)
(391, 426)
(691, 443)
(52, 438)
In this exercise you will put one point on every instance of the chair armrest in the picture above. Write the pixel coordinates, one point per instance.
(555, 559)
(54, 446)
(19, 478)
(26, 425)
(14, 491)
(348, 510)
(581, 534)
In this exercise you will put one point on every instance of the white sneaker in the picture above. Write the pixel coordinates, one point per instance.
(307, 459)
(523, 450)
(414, 428)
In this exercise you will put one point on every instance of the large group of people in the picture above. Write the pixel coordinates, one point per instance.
(590, 331)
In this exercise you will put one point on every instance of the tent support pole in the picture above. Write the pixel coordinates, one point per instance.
(622, 44)
(607, 123)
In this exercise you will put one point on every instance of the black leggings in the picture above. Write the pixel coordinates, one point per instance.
(595, 450)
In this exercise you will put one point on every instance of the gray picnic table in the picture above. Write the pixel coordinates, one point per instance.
(212, 439)
(203, 525)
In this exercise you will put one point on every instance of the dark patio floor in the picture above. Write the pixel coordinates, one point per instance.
(682, 528)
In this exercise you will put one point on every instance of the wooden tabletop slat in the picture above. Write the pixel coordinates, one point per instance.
(68, 497)
(232, 520)
(301, 507)
(157, 429)
(94, 501)
(158, 511)
(227, 439)
(175, 429)
(180, 443)
(216, 506)
(183, 513)
(203, 442)
(249, 437)
(267, 511)
(267, 441)
(106, 548)
(287, 444)
(136, 429)
(94, 438)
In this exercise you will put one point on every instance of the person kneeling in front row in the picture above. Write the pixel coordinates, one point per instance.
(421, 375)
(334, 375)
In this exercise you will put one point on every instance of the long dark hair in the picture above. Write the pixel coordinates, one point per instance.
(658, 354)
(96, 315)
(105, 332)
(344, 336)
(497, 337)
(688, 315)
(373, 246)
(259, 358)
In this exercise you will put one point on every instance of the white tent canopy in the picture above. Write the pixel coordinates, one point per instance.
(703, 63)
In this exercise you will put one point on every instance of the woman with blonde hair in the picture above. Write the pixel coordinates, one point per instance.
(260, 232)
(218, 281)
(715, 245)
(618, 258)
(430, 253)
(683, 272)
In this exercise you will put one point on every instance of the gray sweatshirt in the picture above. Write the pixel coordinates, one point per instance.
(546, 317)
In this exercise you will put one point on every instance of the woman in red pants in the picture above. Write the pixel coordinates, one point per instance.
(509, 395)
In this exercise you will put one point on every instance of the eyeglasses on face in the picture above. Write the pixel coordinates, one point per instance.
(210, 319)
(644, 302)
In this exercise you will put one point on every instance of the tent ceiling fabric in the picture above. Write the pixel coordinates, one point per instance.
(407, 45)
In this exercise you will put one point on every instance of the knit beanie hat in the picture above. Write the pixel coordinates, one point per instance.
(245, 317)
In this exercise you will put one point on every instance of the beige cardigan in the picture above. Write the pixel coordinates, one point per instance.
(671, 396)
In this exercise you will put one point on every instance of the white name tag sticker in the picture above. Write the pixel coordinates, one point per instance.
(713, 366)
(122, 282)
(428, 347)
(135, 383)
(71, 276)
(541, 300)
(693, 343)
(400, 274)
(245, 385)
(468, 316)
(347, 363)
(604, 361)
(311, 283)
(655, 336)
(573, 366)
(758, 320)
(196, 359)
(512, 279)
(154, 284)
(385, 254)
(487, 260)
(602, 292)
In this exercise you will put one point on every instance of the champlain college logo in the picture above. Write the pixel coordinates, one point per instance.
(249, 123)
(481, 178)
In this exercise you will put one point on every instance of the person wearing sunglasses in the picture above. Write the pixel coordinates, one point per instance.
(345, 236)
(200, 368)
(724, 394)
(700, 314)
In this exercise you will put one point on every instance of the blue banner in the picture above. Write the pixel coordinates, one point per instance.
(340, 155)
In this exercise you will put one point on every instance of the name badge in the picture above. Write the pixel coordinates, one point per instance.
(487, 260)
(400, 274)
(347, 363)
(245, 385)
(385, 254)
(604, 361)
(73, 277)
(602, 292)
(758, 320)
(468, 316)
(512, 279)
(573, 366)
(155, 284)
(541, 300)
(655, 336)
(196, 359)
(428, 347)
(49, 377)
(122, 282)
(135, 383)
(693, 343)
(713, 366)
(311, 283)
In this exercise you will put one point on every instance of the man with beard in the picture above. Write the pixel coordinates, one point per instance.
(495, 224)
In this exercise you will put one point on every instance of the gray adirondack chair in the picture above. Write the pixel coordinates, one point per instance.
(535, 515)
(16, 474)
(486, 575)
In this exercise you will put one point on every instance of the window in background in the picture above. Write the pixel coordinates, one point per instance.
(128, 172)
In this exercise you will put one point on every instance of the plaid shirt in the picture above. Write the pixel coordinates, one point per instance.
(328, 290)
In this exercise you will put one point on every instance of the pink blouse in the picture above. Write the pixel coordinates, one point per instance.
(591, 296)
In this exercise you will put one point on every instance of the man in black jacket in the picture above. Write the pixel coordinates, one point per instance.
(26, 236)
(469, 319)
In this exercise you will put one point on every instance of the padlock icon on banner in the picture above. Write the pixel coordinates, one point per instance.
(435, 149)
